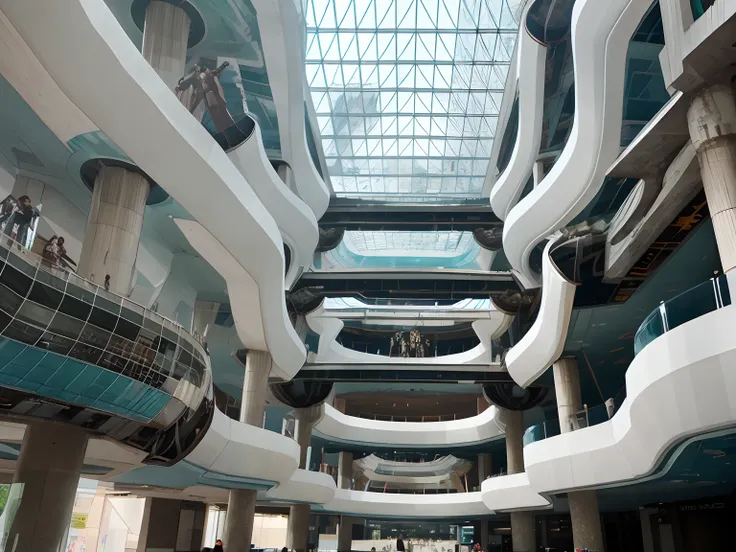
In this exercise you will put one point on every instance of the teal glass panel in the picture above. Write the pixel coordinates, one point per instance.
(693, 303)
(651, 329)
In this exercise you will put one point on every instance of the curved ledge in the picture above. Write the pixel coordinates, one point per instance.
(75, 35)
(280, 24)
(544, 341)
(682, 384)
(293, 217)
(530, 62)
(388, 505)
(336, 426)
(258, 327)
(511, 492)
(599, 39)
(233, 451)
(304, 486)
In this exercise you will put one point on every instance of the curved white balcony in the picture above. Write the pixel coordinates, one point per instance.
(339, 427)
(232, 453)
(681, 384)
(543, 343)
(530, 66)
(389, 505)
(293, 217)
(281, 25)
(126, 98)
(599, 44)
(511, 492)
(303, 486)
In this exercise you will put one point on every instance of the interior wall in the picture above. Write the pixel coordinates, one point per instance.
(177, 297)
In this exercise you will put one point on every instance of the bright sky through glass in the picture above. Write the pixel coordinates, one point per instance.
(407, 93)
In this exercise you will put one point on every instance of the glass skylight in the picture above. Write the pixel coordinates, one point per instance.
(407, 93)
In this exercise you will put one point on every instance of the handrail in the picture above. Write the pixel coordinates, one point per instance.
(711, 295)
(67, 275)
(392, 418)
(586, 417)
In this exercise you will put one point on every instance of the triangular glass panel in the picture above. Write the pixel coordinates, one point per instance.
(426, 46)
(406, 14)
(424, 76)
(423, 102)
(388, 102)
(406, 102)
(405, 76)
(421, 126)
(369, 75)
(329, 46)
(385, 14)
(406, 46)
(333, 75)
(325, 14)
(405, 147)
(348, 47)
(427, 14)
(406, 125)
(445, 50)
(365, 14)
(452, 10)
(367, 46)
(386, 46)
(351, 74)
(387, 74)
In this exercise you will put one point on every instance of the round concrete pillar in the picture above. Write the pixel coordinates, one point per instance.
(113, 230)
(165, 37)
(45, 483)
(711, 119)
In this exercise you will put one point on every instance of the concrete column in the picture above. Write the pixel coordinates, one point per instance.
(170, 524)
(241, 505)
(297, 531)
(114, 228)
(514, 420)
(165, 37)
(45, 484)
(345, 534)
(567, 388)
(485, 467)
(484, 534)
(523, 536)
(255, 387)
(584, 514)
(586, 520)
(711, 120)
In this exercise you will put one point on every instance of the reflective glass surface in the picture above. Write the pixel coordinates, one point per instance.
(407, 93)
(68, 339)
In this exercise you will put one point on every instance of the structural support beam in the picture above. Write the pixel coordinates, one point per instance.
(241, 505)
(586, 519)
(113, 230)
(165, 38)
(711, 120)
(45, 485)
(297, 531)
(523, 530)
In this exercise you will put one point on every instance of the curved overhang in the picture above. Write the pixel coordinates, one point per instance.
(599, 57)
(544, 342)
(335, 426)
(282, 27)
(294, 218)
(530, 60)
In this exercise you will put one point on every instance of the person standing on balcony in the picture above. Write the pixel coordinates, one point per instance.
(400, 544)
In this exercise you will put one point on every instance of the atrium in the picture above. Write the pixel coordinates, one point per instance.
(359, 275)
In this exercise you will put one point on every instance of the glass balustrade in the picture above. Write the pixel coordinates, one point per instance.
(699, 7)
(702, 299)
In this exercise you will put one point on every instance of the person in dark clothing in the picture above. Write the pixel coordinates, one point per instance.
(218, 546)
(400, 544)
(23, 216)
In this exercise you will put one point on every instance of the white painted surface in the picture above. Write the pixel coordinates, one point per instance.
(235, 449)
(304, 486)
(511, 492)
(293, 217)
(75, 35)
(362, 503)
(336, 426)
(282, 30)
(599, 43)
(543, 343)
(531, 63)
(681, 384)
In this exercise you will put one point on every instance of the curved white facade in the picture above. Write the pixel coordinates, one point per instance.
(599, 44)
(293, 217)
(281, 25)
(336, 426)
(75, 35)
(543, 343)
(530, 66)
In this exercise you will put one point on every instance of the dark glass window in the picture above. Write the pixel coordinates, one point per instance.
(127, 329)
(9, 301)
(5, 319)
(105, 304)
(55, 343)
(17, 281)
(120, 346)
(75, 307)
(185, 357)
(180, 371)
(79, 292)
(103, 319)
(45, 295)
(86, 353)
(113, 362)
(35, 314)
(92, 335)
(131, 315)
(66, 326)
(152, 326)
(20, 331)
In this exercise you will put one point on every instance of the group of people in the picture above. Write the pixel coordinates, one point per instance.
(54, 253)
(20, 212)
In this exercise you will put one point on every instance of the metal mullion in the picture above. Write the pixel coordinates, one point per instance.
(421, 62)
(422, 30)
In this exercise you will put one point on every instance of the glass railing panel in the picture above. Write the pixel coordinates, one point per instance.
(699, 7)
(687, 306)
